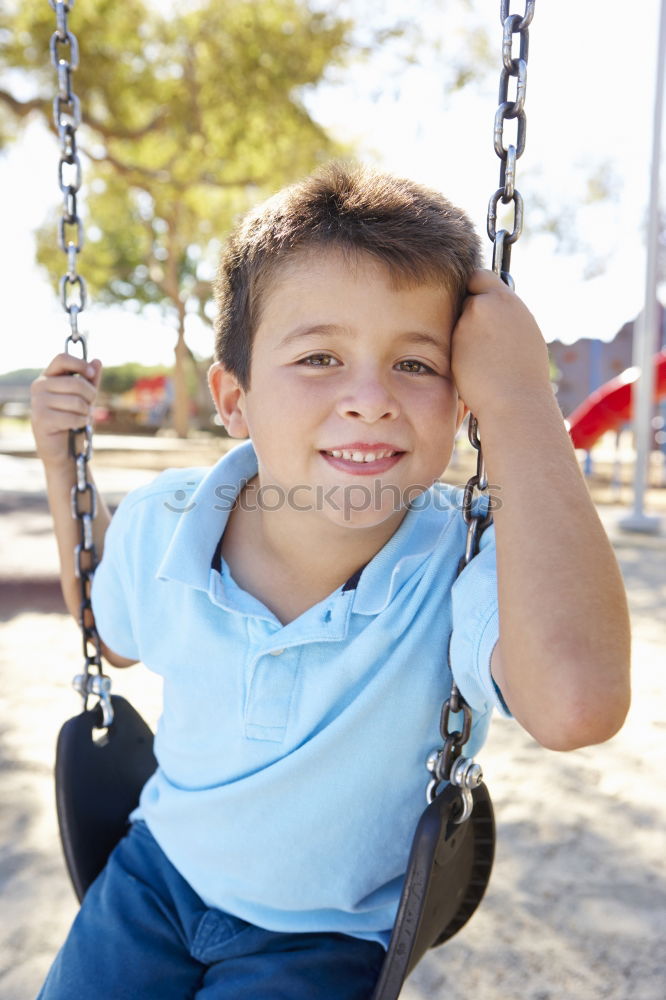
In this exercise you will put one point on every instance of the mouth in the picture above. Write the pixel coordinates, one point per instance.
(363, 459)
(360, 455)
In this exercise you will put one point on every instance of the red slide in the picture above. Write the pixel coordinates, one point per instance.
(610, 406)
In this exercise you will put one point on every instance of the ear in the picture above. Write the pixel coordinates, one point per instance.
(229, 398)
(463, 410)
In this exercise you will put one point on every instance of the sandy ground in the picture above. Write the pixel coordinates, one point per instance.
(576, 909)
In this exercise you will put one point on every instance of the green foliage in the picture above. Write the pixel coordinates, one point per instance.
(189, 117)
(22, 376)
(187, 120)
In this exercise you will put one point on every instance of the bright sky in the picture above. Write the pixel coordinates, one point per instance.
(590, 97)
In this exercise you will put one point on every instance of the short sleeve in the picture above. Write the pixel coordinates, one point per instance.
(475, 630)
(112, 588)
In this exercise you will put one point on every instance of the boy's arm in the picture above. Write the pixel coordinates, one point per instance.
(62, 400)
(562, 662)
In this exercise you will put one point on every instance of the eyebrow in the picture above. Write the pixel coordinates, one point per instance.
(319, 329)
(330, 329)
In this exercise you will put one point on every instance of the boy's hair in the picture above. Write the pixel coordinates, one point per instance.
(417, 234)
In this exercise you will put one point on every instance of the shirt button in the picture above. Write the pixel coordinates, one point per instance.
(276, 652)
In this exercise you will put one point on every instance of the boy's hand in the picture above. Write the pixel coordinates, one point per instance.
(498, 354)
(62, 400)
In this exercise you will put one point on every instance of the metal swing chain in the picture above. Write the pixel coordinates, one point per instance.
(67, 118)
(448, 764)
(512, 66)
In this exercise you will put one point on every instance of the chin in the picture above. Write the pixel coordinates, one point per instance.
(359, 520)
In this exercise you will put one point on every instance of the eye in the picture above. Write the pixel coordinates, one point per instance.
(319, 361)
(413, 367)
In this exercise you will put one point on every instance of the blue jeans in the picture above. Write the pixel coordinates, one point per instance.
(143, 934)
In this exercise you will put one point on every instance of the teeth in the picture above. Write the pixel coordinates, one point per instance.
(359, 456)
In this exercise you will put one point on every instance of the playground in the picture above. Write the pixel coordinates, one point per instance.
(577, 901)
(314, 836)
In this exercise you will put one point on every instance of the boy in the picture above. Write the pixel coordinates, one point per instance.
(299, 599)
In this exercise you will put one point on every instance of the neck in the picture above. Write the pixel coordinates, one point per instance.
(305, 546)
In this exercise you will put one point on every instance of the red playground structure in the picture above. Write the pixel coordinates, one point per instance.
(611, 405)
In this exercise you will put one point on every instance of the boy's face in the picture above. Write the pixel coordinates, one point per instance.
(352, 408)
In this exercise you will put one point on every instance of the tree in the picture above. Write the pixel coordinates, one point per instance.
(187, 119)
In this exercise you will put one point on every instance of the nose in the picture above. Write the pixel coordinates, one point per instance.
(369, 399)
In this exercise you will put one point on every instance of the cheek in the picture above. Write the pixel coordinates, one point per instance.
(436, 405)
(280, 414)
(434, 416)
(307, 401)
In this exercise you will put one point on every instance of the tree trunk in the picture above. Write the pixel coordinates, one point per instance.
(181, 402)
(205, 408)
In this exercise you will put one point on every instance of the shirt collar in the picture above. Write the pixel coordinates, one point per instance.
(406, 550)
(188, 556)
(190, 553)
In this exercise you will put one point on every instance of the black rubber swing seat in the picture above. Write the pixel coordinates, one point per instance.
(98, 785)
(447, 875)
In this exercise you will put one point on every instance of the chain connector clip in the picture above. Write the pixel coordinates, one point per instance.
(96, 686)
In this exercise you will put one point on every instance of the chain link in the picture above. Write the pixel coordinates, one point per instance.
(67, 118)
(513, 66)
(442, 763)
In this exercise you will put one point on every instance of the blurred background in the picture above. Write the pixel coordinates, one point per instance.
(193, 111)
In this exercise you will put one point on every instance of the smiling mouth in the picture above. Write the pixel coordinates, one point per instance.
(363, 456)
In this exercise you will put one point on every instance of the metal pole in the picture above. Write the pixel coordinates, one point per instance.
(646, 327)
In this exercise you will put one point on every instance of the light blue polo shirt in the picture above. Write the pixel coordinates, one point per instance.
(292, 757)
